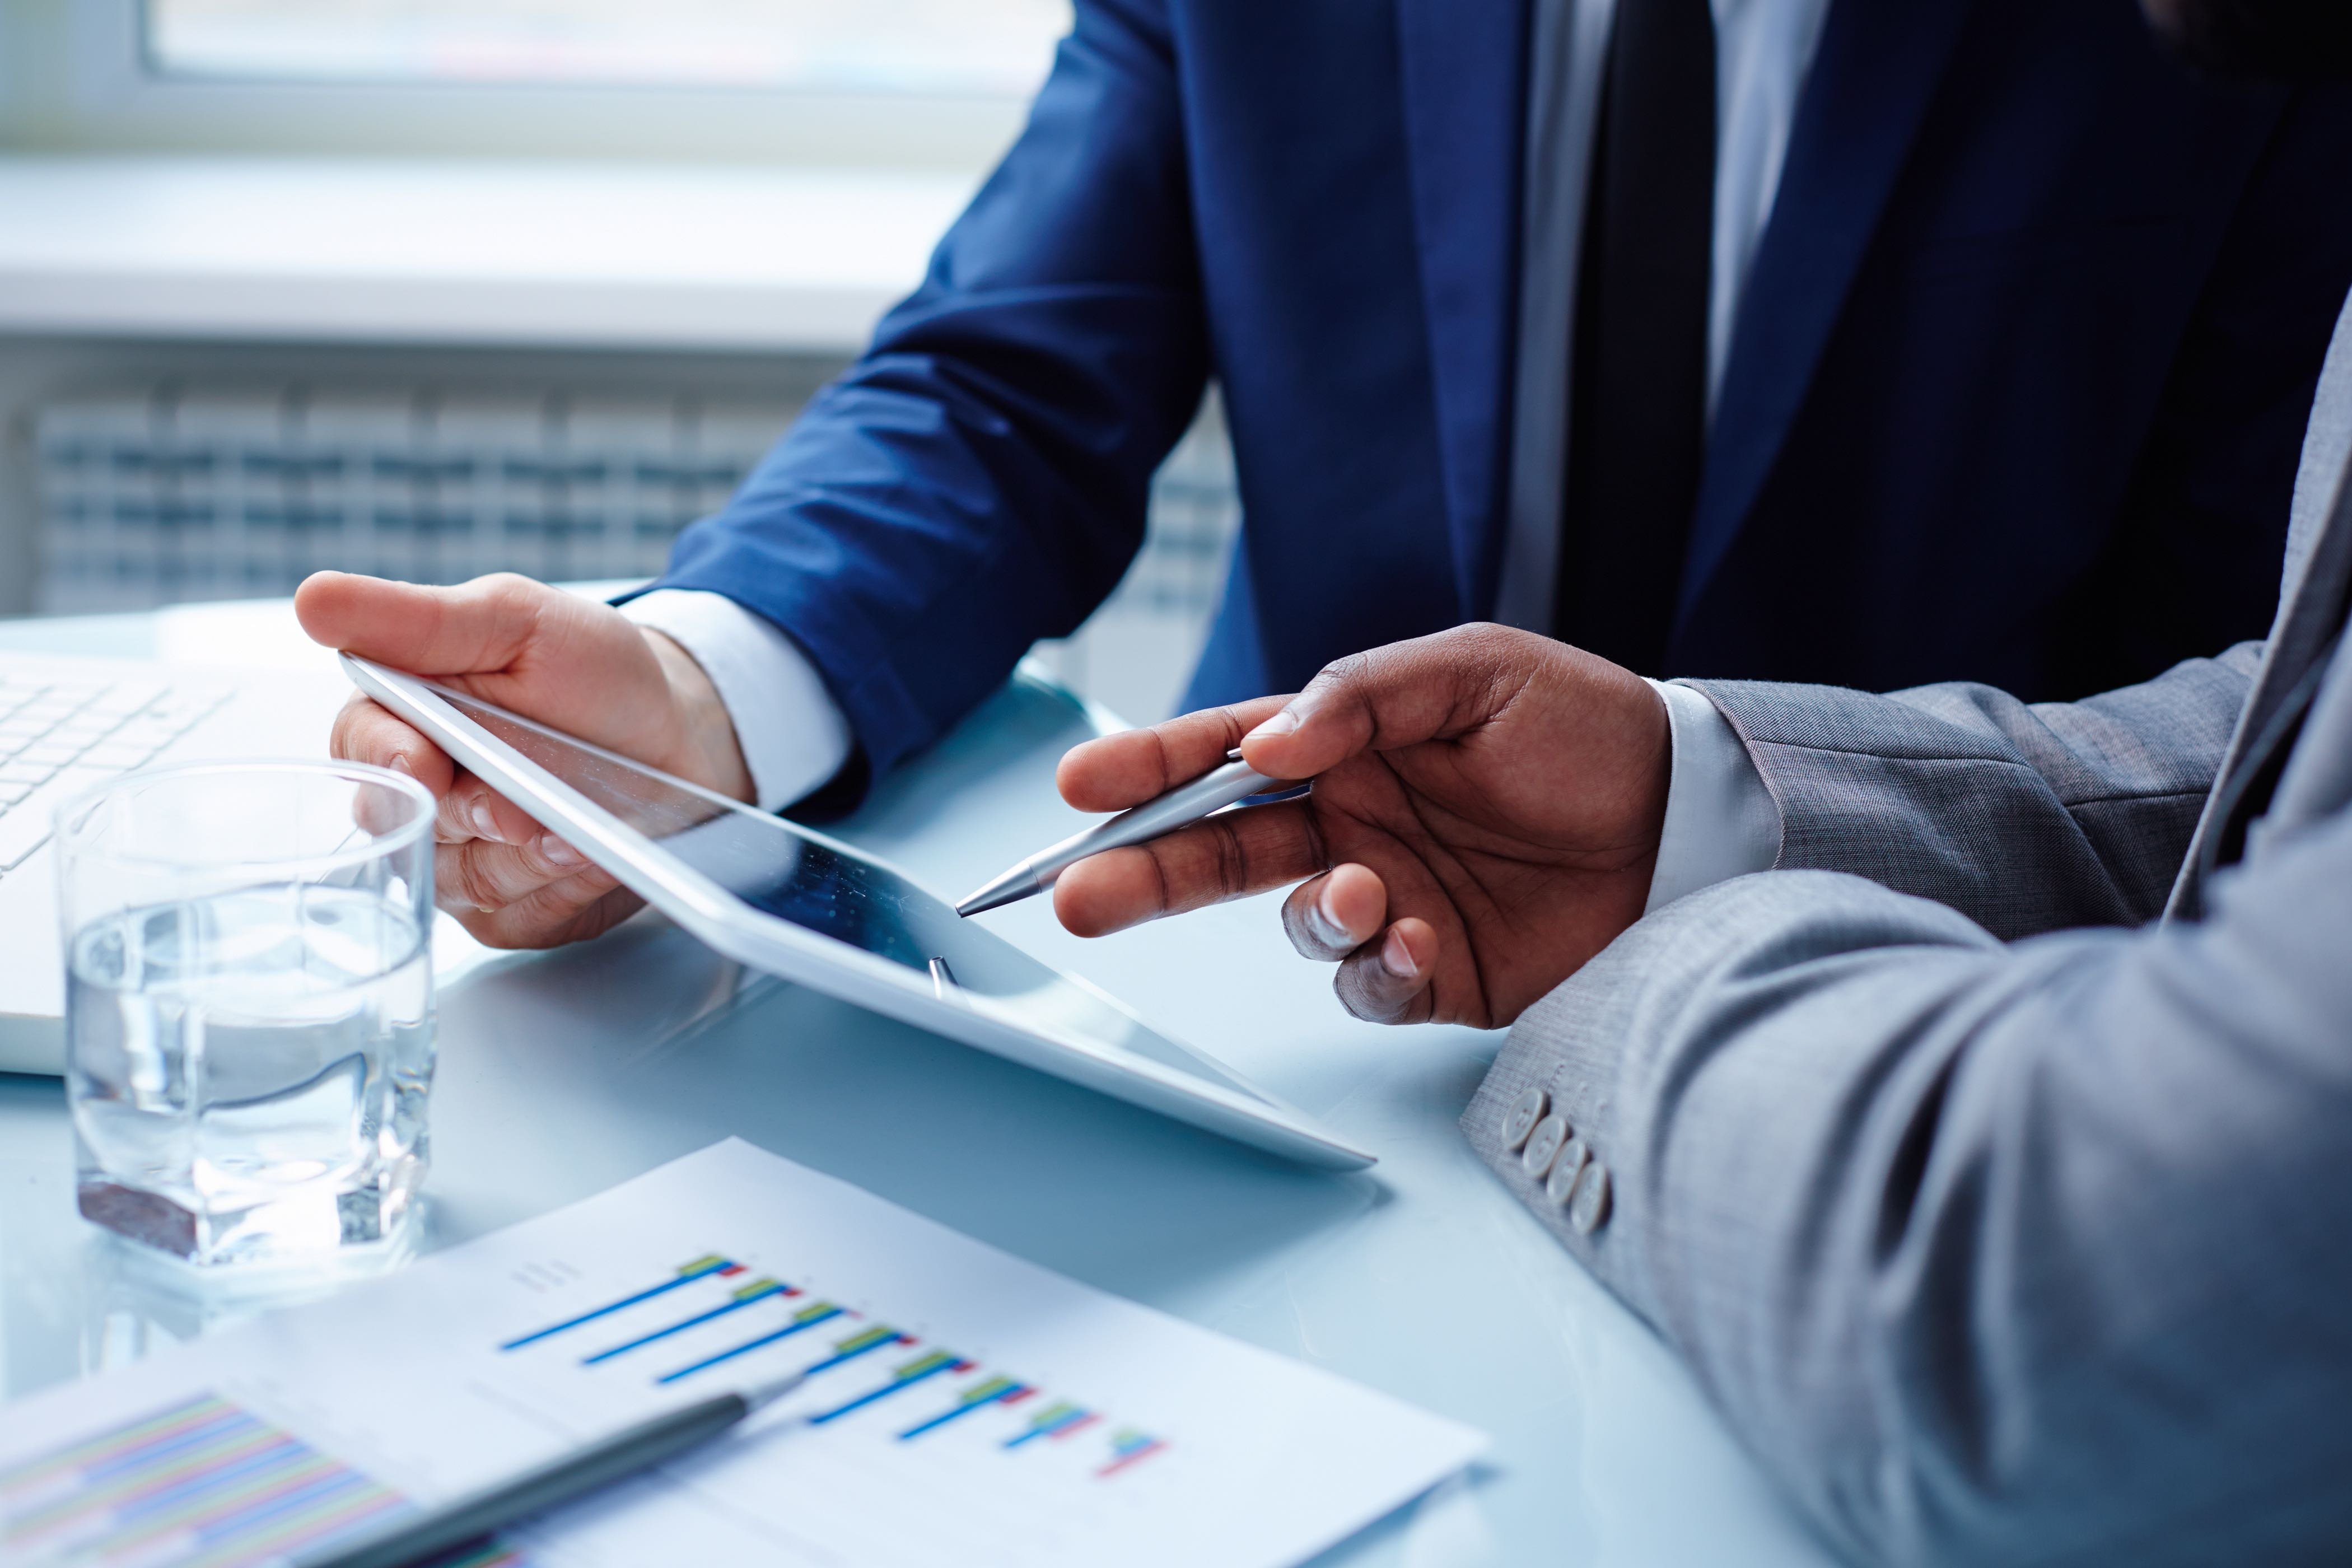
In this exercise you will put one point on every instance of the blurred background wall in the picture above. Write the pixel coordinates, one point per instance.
(430, 287)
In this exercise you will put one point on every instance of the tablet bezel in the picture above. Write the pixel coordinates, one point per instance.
(774, 945)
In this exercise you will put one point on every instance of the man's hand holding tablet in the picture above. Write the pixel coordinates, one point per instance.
(580, 667)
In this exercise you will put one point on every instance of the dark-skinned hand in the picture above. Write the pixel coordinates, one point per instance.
(1485, 818)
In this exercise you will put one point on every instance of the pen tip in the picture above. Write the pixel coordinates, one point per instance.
(1010, 889)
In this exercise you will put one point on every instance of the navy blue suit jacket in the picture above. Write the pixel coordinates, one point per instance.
(2016, 392)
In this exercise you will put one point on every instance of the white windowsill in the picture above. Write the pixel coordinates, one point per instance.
(548, 255)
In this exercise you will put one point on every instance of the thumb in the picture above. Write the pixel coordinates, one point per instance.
(1432, 688)
(484, 625)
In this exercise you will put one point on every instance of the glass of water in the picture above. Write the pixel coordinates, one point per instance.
(249, 1007)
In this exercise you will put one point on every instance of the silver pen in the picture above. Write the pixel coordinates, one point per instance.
(1186, 803)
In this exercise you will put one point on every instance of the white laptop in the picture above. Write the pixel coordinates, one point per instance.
(69, 723)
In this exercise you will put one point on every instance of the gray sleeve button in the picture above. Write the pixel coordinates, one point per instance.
(1521, 1118)
(1589, 1210)
(1565, 1170)
(1543, 1145)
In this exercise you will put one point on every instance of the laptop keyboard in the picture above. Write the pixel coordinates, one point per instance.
(59, 737)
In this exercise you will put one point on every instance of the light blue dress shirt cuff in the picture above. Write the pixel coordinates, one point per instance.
(1720, 819)
(793, 735)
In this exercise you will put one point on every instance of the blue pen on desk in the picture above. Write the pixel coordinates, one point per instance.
(1181, 806)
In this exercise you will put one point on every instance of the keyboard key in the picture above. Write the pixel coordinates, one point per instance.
(47, 752)
(11, 793)
(24, 773)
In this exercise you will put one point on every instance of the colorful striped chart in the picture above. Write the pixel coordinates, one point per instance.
(715, 1286)
(203, 1484)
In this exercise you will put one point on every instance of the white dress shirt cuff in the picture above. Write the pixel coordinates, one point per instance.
(1720, 819)
(793, 735)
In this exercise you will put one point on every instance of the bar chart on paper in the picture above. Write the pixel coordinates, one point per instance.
(958, 1405)
(703, 1318)
(1007, 1460)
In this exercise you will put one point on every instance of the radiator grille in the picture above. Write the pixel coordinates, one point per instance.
(170, 493)
(165, 495)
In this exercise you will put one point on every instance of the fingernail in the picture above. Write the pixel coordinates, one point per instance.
(485, 825)
(556, 852)
(1326, 928)
(1282, 723)
(1397, 959)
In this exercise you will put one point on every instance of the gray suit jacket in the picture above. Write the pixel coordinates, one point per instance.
(2023, 1250)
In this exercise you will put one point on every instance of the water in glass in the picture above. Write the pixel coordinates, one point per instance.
(247, 1068)
(250, 1044)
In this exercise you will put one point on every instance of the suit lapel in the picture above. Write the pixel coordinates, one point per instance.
(1872, 79)
(1464, 82)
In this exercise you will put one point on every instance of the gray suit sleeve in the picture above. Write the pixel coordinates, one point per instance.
(2028, 1254)
(2026, 817)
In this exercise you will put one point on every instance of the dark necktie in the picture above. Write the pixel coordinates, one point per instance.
(1637, 409)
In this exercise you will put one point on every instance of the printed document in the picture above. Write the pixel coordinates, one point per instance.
(961, 1405)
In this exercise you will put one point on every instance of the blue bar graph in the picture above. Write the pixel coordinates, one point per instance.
(1057, 1420)
(864, 1343)
(808, 1317)
(701, 1267)
(929, 1365)
(758, 1290)
(988, 1390)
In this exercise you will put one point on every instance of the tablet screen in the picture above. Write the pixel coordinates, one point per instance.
(777, 869)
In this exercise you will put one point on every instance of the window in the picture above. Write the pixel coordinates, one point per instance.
(955, 47)
(934, 86)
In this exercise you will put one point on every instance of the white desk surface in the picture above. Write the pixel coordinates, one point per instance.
(565, 255)
(563, 1073)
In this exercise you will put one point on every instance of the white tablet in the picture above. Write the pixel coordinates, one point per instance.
(811, 910)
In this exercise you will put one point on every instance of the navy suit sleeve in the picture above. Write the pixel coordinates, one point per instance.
(978, 480)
